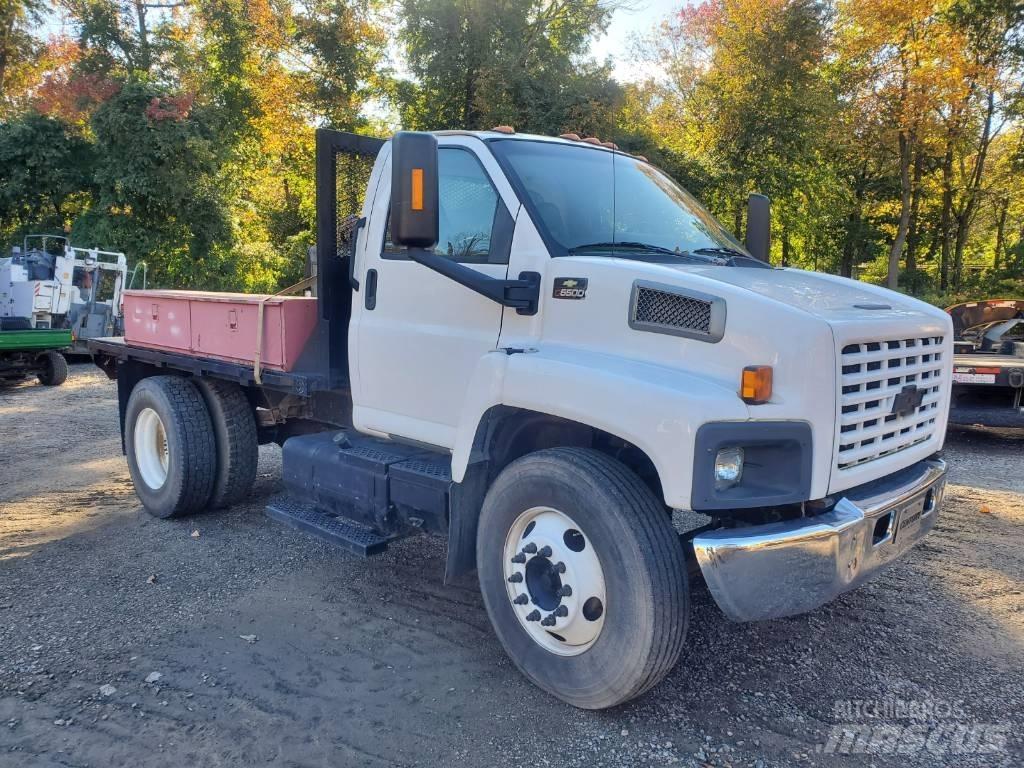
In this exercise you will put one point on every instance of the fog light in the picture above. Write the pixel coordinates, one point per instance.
(728, 467)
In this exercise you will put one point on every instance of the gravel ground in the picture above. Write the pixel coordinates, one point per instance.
(229, 640)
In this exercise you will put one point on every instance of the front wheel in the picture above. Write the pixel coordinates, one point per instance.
(583, 576)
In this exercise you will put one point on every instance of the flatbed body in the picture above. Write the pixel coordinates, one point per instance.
(110, 351)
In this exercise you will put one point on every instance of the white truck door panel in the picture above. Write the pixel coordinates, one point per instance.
(422, 335)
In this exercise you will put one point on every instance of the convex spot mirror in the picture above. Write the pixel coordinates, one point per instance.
(414, 206)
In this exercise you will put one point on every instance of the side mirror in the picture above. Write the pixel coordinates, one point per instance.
(759, 226)
(414, 208)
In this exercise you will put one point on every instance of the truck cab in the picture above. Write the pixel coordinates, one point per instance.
(540, 348)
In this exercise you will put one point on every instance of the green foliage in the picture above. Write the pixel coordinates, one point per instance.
(481, 63)
(183, 132)
(344, 48)
(155, 186)
(45, 174)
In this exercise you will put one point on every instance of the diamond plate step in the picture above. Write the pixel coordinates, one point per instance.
(334, 530)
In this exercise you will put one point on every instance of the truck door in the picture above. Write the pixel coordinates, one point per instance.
(419, 336)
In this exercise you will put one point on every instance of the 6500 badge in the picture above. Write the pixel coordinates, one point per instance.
(570, 288)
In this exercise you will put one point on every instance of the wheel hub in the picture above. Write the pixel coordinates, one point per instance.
(543, 583)
(554, 580)
(152, 454)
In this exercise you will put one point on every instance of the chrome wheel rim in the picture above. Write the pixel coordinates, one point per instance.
(554, 581)
(152, 454)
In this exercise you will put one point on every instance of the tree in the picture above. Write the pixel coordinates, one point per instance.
(18, 48)
(746, 96)
(156, 191)
(480, 63)
(45, 173)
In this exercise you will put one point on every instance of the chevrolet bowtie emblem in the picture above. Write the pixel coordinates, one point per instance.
(569, 283)
(907, 401)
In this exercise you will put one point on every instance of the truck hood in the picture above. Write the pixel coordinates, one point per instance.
(836, 299)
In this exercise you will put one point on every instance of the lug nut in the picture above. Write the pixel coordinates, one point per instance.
(549, 620)
(521, 600)
(545, 551)
(561, 611)
(560, 567)
(564, 591)
(519, 559)
(533, 615)
(530, 548)
(515, 578)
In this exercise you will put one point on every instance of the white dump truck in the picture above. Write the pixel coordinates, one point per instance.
(540, 348)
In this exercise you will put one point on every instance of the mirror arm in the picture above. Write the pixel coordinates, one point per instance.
(523, 294)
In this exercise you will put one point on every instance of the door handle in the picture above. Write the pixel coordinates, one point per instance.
(370, 294)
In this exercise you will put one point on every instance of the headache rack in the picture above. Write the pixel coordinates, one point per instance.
(344, 162)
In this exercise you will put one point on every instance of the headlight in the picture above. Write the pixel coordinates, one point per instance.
(728, 467)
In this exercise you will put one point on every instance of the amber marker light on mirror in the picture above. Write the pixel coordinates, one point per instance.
(417, 189)
(756, 384)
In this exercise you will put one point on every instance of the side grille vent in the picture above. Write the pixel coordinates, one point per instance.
(676, 311)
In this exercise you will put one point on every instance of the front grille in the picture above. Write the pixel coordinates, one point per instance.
(666, 309)
(873, 374)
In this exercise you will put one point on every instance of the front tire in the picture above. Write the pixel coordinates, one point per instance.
(54, 369)
(618, 631)
(170, 446)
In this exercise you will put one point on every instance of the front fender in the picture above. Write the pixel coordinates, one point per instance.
(657, 409)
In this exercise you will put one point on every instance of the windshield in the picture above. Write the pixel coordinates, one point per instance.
(608, 201)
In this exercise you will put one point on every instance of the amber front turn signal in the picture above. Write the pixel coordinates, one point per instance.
(756, 384)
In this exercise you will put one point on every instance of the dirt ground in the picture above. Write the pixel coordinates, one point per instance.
(229, 640)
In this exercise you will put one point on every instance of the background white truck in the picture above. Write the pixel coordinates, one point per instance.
(539, 348)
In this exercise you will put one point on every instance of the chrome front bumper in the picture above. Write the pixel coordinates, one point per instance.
(780, 569)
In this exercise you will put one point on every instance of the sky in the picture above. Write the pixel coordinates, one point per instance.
(640, 18)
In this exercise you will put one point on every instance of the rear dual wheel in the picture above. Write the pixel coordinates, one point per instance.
(583, 576)
(190, 445)
(170, 446)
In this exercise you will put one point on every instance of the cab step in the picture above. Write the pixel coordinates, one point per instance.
(330, 528)
(368, 486)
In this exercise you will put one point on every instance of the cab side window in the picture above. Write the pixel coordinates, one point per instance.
(468, 207)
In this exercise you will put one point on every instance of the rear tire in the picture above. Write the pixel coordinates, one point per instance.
(234, 430)
(55, 369)
(170, 446)
(641, 575)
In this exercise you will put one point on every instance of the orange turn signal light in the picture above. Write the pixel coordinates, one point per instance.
(756, 384)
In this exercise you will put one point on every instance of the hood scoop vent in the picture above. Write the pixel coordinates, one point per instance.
(676, 311)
